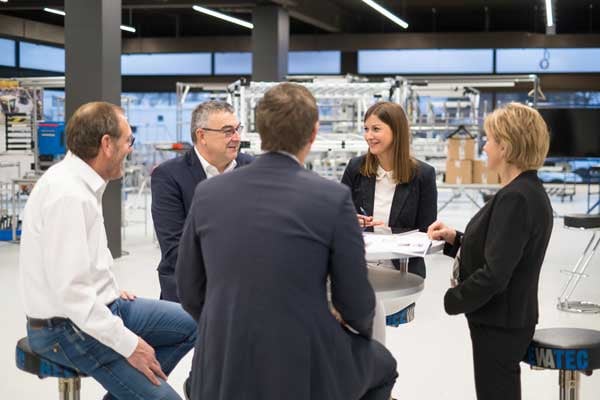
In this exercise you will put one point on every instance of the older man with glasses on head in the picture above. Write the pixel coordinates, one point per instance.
(215, 132)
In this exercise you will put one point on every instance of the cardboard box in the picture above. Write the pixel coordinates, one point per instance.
(461, 148)
(481, 173)
(459, 171)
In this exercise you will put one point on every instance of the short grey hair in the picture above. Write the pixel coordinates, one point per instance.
(204, 110)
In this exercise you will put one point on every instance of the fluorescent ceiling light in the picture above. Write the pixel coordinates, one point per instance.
(549, 17)
(55, 11)
(388, 14)
(3, 1)
(128, 28)
(60, 12)
(227, 18)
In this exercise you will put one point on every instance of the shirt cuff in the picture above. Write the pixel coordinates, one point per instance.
(127, 344)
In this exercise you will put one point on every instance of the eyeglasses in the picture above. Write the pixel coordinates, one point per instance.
(131, 140)
(228, 131)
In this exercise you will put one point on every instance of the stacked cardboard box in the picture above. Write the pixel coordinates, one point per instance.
(459, 165)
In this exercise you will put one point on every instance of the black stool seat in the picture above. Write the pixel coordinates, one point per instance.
(585, 221)
(570, 349)
(30, 362)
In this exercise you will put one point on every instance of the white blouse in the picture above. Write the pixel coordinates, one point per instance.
(382, 206)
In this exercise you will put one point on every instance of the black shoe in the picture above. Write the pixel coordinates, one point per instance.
(187, 389)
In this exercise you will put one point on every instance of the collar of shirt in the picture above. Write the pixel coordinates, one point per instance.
(209, 169)
(383, 174)
(91, 178)
(285, 153)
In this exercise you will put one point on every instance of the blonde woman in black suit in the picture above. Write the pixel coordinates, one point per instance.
(501, 253)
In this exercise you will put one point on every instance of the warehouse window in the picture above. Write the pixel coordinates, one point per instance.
(7, 53)
(233, 63)
(314, 62)
(547, 60)
(39, 56)
(425, 61)
(166, 64)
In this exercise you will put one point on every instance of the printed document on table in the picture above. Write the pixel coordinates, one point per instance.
(412, 244)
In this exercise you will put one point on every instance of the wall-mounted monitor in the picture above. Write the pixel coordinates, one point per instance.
(574, 132)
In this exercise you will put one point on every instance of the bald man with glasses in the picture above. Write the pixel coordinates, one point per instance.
(215, 133)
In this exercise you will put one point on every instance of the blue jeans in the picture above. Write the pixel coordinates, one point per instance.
(164, 325)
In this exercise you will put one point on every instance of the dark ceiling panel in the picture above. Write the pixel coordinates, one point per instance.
(173, 18)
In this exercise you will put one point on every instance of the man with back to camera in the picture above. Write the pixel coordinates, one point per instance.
(215, 132)
(259, 289)
(77, 316)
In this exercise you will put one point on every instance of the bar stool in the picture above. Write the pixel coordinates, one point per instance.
(588, 223)
(69, 380)
(571, 351)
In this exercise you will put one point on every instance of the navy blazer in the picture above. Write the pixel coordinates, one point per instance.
(173, 184)
(502, 251)
(414, 205)
(259, 289)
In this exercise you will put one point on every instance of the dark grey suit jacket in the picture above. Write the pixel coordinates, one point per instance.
(173, 185)
(253, 273)
(414, 205)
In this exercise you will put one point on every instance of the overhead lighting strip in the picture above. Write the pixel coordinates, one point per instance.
(388, 14)
(55, 11)
(61, 12)
(224, 17)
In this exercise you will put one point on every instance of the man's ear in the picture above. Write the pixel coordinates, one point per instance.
(106, 145)
(199, 136)
(313, 134)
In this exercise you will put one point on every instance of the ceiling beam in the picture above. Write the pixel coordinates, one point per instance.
(320, 13)
(20, 28)
(26, 29)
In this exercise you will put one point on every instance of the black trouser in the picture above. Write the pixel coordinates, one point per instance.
(497, 353)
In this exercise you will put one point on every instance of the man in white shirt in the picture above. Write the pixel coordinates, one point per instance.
(215, 133)
(77, 315)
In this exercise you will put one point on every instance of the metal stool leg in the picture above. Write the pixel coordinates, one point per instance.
(569, 385)
(68, 389)
(575, 275)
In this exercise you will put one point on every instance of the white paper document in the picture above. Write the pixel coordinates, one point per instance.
(404, 245)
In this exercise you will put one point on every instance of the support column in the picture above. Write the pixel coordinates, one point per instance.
(93, 73)
(270, 43)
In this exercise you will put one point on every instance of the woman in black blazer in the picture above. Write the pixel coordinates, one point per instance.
(499, 256)
(388, 182)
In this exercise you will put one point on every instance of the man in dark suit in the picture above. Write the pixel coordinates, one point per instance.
(259, 289)
(216, 136)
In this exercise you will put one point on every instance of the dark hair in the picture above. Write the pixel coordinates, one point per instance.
(203, 111)
(393, 116)
(285, 118)
(88, 124)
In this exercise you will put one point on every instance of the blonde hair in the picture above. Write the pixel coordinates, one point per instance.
(404, 166)
(523, 131)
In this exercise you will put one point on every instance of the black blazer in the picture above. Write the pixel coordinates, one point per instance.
(414, 205)
(173, 184)
(502, 251)
(258, 289)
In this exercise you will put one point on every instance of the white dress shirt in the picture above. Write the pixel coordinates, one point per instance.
(209, 169)
(382, 206)
(64, 263)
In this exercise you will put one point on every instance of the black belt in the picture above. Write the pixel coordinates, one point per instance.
(37, 323)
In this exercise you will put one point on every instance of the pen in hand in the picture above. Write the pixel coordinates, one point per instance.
(365, 220)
